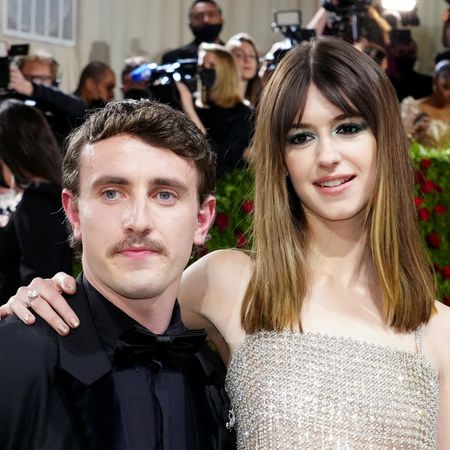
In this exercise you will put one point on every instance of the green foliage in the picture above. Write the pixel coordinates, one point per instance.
(433, 204)
(234, 210)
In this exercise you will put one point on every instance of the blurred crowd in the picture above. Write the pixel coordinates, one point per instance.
(217, 83)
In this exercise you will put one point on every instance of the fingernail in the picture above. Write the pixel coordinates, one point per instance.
(63, 329)
(68, 284)
(74, 323)
(26, 319)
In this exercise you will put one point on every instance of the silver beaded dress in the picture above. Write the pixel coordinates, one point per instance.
(292, 390)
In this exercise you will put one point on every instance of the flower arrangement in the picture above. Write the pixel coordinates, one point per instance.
(433, 209)
(234, 211)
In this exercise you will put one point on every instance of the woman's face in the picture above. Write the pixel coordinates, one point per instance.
(442, 84)
(331, 160)
(246, 60)
(8, 177)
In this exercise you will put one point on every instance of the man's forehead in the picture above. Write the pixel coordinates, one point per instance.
(122, 153)
(36, 66)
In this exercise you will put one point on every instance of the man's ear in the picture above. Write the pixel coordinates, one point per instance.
(70, 205)
(205, 218)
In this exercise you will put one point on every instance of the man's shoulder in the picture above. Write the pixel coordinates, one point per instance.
(27, 349)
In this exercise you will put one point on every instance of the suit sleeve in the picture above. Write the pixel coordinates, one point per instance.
(32, 412)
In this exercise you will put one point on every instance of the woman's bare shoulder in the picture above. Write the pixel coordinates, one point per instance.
(214, 286)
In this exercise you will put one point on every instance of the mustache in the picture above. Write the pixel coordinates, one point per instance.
(138, 241)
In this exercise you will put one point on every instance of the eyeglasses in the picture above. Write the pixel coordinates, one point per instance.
(39, 79)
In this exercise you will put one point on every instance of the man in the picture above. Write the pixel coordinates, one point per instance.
(138, 178)
(406, 81)
(96, 84)
(205, 22)
(35, 78)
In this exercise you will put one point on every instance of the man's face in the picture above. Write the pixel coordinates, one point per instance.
(38, 72)
(104, 88)
(205, 13)
(137, 215)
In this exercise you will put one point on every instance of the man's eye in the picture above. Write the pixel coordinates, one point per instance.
(350, 128)
(111, 194)
(165, 196)
(300, 138)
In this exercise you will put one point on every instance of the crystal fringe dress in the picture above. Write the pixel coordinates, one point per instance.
(292, 390)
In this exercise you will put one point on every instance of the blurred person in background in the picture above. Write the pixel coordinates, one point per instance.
(245, 54)
(205, 22)
(427, 120)
(96, 85)
(131, 88)
(219, 110)
(407, 82)
(36, 77)
(34, 241)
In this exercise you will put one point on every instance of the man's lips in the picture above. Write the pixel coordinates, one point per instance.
(137, 252)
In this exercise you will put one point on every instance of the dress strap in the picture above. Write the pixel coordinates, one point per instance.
(419, 337)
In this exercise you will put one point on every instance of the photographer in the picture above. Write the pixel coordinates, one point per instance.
(34, 77)
(205, 22)
(338, 18)
(446, 26)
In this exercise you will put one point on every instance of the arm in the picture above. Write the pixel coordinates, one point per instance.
(187, 103)
(442, 334)
(319, 21)
(211, 295)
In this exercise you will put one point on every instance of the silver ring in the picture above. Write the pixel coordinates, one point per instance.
(32, 294)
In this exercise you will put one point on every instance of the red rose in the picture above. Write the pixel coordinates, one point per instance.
(418, 177)
(438, 188)
(439, 209)
(418, 201)
(222, 221)
(424, 214)
(427, 186)
(248, 206)
(425, 163)
(446, 301)
(446, 272)
(241, 239)
(434, 241)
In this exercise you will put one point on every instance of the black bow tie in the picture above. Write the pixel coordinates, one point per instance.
(140, 346)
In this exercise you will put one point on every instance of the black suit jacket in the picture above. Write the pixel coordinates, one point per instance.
(51, 397)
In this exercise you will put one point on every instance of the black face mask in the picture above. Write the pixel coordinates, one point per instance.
(206, 32)
(208, 77)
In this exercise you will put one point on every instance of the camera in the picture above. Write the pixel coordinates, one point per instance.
(14, 50)
(288, 22)
(161, 79)
(347, 17)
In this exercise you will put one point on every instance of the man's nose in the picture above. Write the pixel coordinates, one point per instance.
(137, 216)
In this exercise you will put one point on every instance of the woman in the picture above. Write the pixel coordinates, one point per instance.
(33, 242)
(334, 335)
(428, 119)
(245, 54)
(219, 110)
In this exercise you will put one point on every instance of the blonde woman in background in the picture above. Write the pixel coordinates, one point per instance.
(245, 54)
(219, 110)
